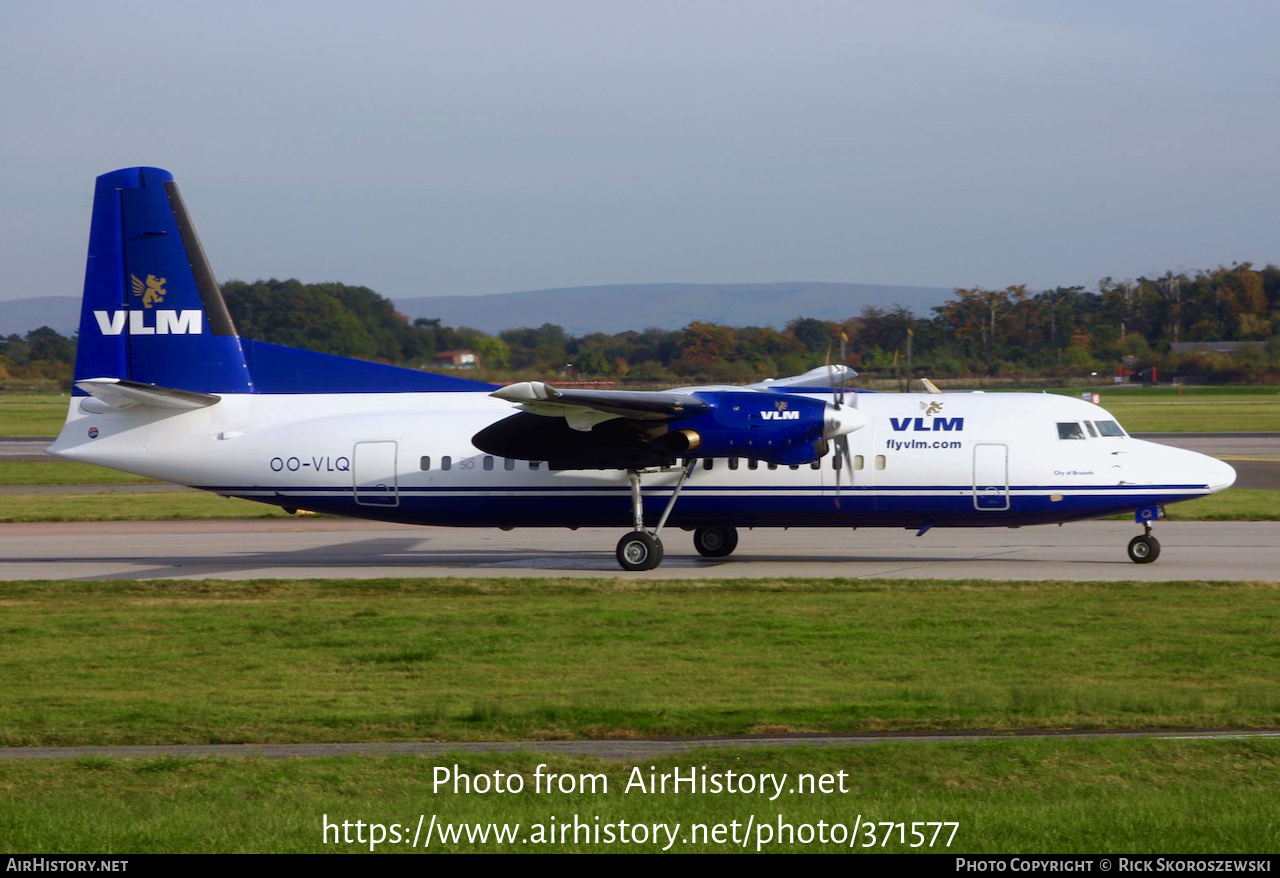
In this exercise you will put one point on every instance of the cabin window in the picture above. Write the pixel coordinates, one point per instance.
(880, 461)
(793, 466)
(733, 463)
(817, 464)
(424, 463)
(835, 461)
(753, 464)
(1088, 425)
(1070, 430)
(488, 462)
(773, 466)
(1109, 428)
(446, 462)
(707, 463)
(859, 462)
(535, 464)
(508, 464)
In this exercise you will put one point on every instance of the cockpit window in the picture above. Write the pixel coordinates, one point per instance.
(1093, 434)
(1070, 430)
(1109, 428)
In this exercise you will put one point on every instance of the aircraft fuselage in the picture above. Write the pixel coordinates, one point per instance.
(952, 460)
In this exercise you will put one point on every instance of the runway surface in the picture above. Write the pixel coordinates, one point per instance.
(628, 749)
(25, 447)
(338, 548)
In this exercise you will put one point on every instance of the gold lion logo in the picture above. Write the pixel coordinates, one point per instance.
(782, 405)
(931, 408)
(152, 292)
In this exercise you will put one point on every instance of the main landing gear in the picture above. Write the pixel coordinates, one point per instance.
(715, 542)
(642, 549)
(1144, 549)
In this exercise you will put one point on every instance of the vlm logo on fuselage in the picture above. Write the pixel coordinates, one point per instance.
(927, 425)
(780, 416)
(166, 323)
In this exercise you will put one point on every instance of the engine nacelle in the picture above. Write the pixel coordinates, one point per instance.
(775, 427)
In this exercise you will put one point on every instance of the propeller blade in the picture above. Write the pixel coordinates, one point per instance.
(839, 466)
(844, 462)
(836, 398)
(844, 363)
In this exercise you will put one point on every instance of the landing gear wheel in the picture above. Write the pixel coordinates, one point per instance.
(639, 551)
(1144, 549)
(715, 542)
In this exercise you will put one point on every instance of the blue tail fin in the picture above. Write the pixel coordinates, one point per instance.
(152, 311)
(153, 314)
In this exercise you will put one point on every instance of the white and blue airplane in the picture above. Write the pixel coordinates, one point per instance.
(165, 388)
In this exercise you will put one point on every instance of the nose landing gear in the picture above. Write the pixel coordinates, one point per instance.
(1145, 548)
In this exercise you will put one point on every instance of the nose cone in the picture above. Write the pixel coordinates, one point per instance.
(1220, 475)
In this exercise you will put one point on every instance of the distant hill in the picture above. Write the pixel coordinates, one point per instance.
(20, 316)
(581, 310)
(620, 307)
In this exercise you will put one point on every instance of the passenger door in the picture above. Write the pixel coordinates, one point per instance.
(373, 474)
(991, 476)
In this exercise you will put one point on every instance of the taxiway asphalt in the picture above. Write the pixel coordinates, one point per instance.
(338, 548)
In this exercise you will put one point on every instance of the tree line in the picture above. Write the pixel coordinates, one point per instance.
(1011, 333)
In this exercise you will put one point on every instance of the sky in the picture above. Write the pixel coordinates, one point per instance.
(458, 148)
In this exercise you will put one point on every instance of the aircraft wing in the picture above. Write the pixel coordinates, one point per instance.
(616, 429)
(823, 376)
(583, 409)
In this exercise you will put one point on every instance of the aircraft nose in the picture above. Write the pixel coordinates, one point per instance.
(1220, 475)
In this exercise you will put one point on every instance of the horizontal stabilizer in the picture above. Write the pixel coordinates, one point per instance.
(117, 393)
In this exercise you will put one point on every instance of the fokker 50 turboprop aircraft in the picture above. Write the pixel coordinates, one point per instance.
(165, 388)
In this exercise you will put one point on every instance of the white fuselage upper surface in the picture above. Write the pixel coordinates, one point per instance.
(959, 459)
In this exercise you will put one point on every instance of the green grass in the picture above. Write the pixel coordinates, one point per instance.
(210, 662)
(57, 472)
(1044, 796)
(179, 506)
(32, 414)
(1236, 504)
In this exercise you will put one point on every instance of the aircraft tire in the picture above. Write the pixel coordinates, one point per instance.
(715, 542)
(639, 551)
(1144, 549)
